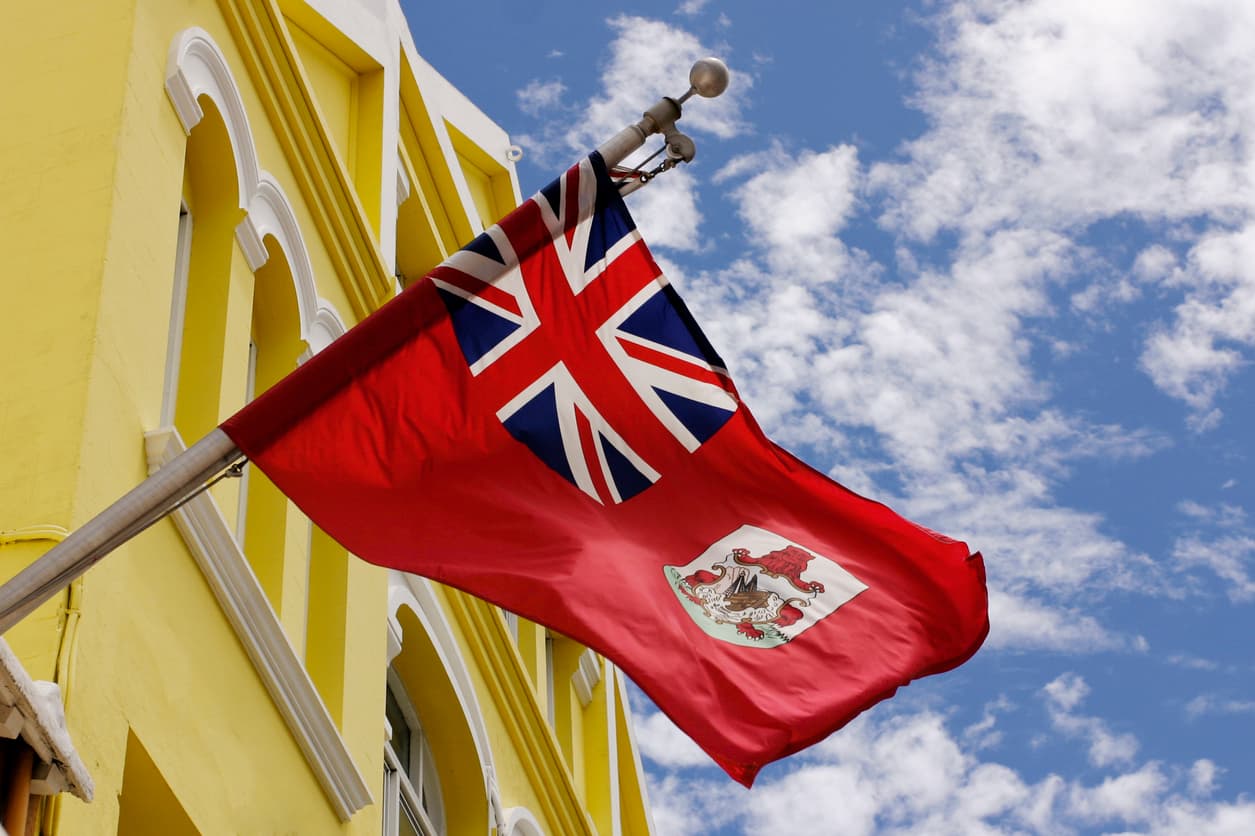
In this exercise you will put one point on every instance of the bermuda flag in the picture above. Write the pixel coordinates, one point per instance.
(541, 423)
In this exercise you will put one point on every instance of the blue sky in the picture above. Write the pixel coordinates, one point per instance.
(992, 263)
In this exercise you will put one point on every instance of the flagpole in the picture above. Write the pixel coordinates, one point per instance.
(708, 78)
(186, 474)
(148, 502)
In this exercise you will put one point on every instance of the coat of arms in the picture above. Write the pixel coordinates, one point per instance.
(757, 589)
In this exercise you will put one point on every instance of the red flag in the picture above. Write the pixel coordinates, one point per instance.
(541, 423)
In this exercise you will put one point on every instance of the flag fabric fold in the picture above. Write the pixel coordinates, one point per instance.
(541, 423)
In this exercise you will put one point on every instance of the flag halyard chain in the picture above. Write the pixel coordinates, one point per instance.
(708, 78)
(679, 148)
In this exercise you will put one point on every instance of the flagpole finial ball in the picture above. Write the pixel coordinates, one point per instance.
(709, 77)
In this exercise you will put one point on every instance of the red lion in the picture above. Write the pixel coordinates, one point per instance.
(788, 563)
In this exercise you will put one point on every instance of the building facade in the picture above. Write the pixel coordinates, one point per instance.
(195, 196)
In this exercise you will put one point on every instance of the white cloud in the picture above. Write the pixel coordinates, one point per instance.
(681, 805)
(649, 59)
(1221, 542)
(1024, 624)
(1224, 515)
(1204, 819)
(983, 734)
(1128, 798)
(1211, 704)
(1193, 663)
(1066, 692)
(691, 8)
(1229, 557)
(1204, 777)
(646, 60)
(1155, 263)
(1063, 696)
(1194, 356)
(664, 744)
(1056, 114)
(538, 97)
(907, 773)
(666, 212)
(796, 206)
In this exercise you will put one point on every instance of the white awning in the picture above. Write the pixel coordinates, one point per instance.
(33, 710)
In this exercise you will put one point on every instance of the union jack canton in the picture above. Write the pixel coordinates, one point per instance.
(585, 351)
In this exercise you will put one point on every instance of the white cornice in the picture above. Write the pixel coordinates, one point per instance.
(209, 538)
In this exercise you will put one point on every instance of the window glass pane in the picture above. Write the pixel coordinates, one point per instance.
(549, 689)
(400, 730)
(430, 789)
(409, 826)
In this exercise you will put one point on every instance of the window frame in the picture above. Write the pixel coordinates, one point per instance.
(401, 795)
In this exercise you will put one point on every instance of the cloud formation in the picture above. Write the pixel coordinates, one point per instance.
(909, 773)
(916, 374)
(1054, 115)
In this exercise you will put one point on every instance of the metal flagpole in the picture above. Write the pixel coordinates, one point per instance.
(186, 474)
(707, 78)
(148, 502)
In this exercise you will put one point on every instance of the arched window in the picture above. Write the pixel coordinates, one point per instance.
(412, 802)
(244, 310)
(275, 534)
(427, 673)
(235, 331)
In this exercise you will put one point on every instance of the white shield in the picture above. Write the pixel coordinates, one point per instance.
(749, 588)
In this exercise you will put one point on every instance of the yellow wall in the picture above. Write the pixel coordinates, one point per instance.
(169, 712)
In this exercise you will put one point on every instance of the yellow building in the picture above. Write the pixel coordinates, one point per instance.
(195, 196)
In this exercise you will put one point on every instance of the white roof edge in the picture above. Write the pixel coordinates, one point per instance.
(42, 721)
(361, 24)
(451, 104)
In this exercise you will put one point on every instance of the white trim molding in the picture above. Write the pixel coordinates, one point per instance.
(270, 213)
(239, 593)
(195, 66)
(519, 821)
(607, 671)
(418, 595)
(403, 183)
(327, 326)
(620, 686)
(587, 675)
